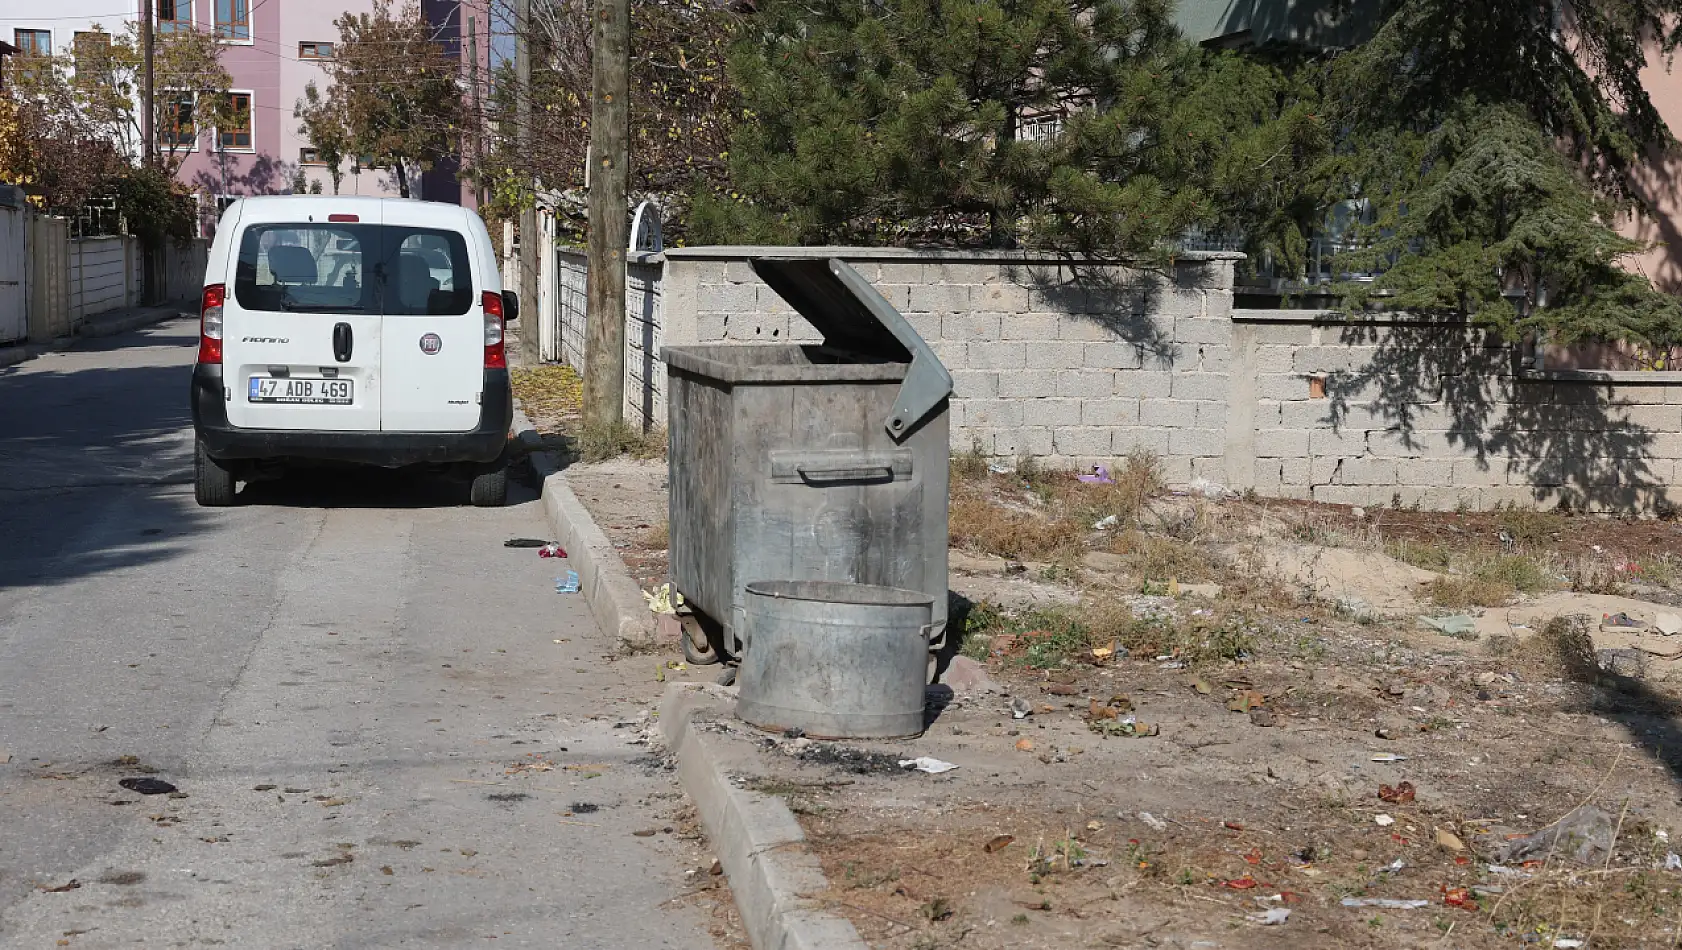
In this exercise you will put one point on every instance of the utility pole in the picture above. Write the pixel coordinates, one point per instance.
(478, 115)
(604, 343)
(149, 269)
(148, 138)
(528, 328)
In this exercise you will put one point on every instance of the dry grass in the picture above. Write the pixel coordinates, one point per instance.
(983, 526)
(1153, 558)
(657, 538)
(1039, 515)
(598, 443)
(552, 396)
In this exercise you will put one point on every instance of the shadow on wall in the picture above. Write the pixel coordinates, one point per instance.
(264, 176)
(1120, 300)
(1661, 189)
(1573, 444)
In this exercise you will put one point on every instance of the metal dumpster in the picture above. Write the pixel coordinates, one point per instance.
(797, 462)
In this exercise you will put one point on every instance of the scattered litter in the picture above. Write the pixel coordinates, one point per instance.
(1460, 897)
(567, 585)
(1449, 841)
(1400, 794)
(1245, 700)
(1024, 745)
(1459, 626)
(1620, 621)
(1105, 523)
(1668, 624)
(1277, 915)
(526, 543)
(998, 843)
(645, 833)
(551, 550)
(1155, 823)
(1098, 476)
(1506, 871)
(929, 764)
(661, 600)
(1385, 902)
(1394, 867)
(1388, 757)
(1125, 727)
(998, 468)
(1673, 862)
(148, 786)
(1567, 943)
(1020, 708)
(1242, 883)
(1208, 489)
(1383, 820)
(1585, 835)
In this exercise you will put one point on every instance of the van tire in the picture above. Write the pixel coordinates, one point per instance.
(213, 485)
(490, 489)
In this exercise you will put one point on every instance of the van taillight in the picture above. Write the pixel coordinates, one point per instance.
(210, 324)
(496, 355)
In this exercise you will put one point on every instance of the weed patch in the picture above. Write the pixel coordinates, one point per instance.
(598, 443)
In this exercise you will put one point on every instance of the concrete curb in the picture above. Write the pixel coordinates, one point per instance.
(605, 584)
(93, 329)
(757, 839)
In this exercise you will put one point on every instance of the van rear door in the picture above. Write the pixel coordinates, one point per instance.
(302, 334)
(434, 325)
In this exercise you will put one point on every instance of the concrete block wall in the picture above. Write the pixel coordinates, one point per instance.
(104, 275)
(1071, 364)
(1081, 364)
(1383, 411)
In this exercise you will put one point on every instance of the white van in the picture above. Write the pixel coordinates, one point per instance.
(362, 330)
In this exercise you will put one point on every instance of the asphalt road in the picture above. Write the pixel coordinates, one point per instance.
(340, 674)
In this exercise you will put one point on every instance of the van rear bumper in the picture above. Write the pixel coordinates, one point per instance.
(484, 444)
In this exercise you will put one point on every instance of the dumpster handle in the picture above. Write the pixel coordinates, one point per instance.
(845, 473)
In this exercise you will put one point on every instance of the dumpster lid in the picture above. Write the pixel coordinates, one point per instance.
(852, 316)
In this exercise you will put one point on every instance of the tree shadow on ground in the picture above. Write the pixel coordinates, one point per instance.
(1652, 718)
(1450, 389)
(92, 460)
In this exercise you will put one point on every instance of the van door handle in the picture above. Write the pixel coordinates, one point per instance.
(343, 342)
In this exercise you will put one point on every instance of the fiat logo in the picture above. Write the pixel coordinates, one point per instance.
(430, 344)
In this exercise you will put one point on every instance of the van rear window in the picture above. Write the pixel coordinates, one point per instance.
(353, 268)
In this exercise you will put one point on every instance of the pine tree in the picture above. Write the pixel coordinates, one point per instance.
(971, 122)
(1498, 143)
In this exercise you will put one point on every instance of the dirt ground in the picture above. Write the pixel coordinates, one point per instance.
(1233, 711)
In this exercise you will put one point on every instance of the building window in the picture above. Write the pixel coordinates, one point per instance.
(33, 42)
(235, 131)
(309, 156)
(175, 120)
(233, 20)
(174, 15)
(315, 50)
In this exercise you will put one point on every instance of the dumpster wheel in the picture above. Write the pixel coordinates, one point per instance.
(698, 648)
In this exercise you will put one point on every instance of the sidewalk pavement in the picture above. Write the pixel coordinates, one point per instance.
(109, 323)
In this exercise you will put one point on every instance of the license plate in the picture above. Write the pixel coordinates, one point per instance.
(308, 390)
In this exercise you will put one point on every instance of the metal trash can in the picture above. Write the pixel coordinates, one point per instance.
(820, 462)
(836, 661)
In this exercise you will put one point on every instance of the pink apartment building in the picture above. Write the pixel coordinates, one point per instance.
(273, 49)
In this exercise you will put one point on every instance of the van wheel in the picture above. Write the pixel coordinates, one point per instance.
(490, 489)
(213, 485)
